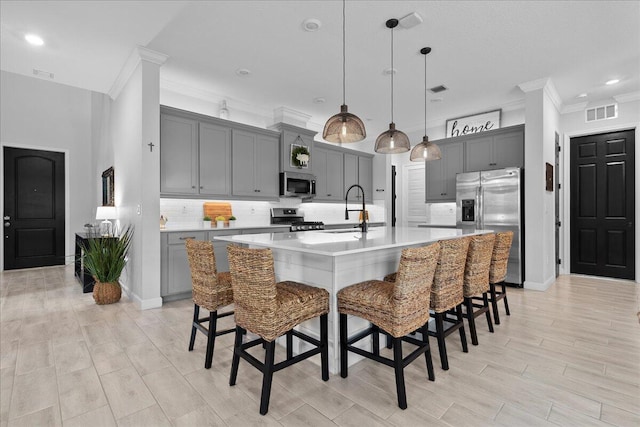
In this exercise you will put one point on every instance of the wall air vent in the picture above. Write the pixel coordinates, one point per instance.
(603, 112)
(438, 89)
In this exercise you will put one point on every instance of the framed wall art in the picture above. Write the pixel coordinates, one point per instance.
(107, 187)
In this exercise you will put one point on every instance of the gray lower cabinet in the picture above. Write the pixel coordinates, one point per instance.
(328, 169)
(496, 151)
(178, 155)
(255, 165)
(440, 175)
(220, 248)
(175, 273)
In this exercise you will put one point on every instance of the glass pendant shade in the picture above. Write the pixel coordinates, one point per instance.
(392, 141)
(425, 151)
(344, 127)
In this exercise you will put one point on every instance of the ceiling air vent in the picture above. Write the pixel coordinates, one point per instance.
(602, 113)
(438, 89)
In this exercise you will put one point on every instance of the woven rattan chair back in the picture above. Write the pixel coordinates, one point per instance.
(254, 288)
(412, 290)
(448, 280)
(476, 271)
(500, 257)
(207, 291)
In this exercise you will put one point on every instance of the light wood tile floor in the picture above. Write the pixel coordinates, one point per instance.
(569, 356)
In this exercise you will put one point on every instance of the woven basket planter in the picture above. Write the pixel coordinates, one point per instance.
(106, 293)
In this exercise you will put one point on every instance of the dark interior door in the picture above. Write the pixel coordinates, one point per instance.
(33, 208)
(603, 205)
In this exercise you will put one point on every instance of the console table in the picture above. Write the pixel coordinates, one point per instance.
(85, 278)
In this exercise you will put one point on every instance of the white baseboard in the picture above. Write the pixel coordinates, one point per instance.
(143, 304)
(537, 286)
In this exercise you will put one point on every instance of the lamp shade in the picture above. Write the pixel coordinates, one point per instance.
(344, 127)
(106, 212)
(392, 141)
(425, 151)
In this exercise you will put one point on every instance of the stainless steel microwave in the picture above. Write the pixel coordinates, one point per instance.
(293, 184)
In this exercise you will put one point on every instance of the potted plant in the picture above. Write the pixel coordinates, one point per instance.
(104, 259)
(220, 221)
(206, 222)
(232, 221)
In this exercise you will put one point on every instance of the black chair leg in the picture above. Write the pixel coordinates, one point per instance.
(472, 320)
(506, 304)
(485, 303)
(211, 338)
(324, 340)
(427, 354)
(344, 370)
(267, 377)
(389, 341)
(375, 340)
(289, 345)
(397, 364)
(236, 355)
(196, 314)
(494, 304)
(442, 347)
(463, 336)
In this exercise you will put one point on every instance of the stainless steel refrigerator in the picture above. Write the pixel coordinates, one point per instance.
(493, 200)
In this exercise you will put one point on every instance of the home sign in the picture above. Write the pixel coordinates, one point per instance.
(473, 124)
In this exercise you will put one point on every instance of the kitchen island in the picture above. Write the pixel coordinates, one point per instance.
(334, 259)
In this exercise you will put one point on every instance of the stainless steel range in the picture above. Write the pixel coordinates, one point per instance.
(280, 216)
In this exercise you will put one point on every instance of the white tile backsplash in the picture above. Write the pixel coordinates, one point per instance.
(441, 213)
(188, 212)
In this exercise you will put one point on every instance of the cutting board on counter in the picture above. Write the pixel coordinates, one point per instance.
(214, 209)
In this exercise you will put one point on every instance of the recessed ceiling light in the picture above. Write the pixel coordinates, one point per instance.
(34, 39)
(311, 24)
(582, 95)
(319, 100)
(612, 82)
(243, 72)
(389, 71)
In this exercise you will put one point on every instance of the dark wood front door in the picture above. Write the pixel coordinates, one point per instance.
(603, 205)
(33, 208)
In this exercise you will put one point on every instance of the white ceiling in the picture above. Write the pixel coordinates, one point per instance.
(482, 50)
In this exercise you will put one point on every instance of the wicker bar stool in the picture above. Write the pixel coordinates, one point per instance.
(476, 281)
(270, 310)
(498, 272)
(211, 290)
(397, 309)
(447, 294)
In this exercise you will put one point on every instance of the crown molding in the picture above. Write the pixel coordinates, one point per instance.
(627, 97)
(290, 116)
(138, 54)
(574, 108)
(547, 86)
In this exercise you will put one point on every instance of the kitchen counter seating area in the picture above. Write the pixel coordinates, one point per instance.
(335, 259)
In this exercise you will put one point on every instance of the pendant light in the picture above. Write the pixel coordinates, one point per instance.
(344, 126)
(425, 150)
(392, 141)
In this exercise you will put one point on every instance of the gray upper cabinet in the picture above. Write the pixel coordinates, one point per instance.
(358, 169)
(294, 135)
(215, 160)
(441, 174)
(255, 165)
(328, 169)
(379, 179)
(365, 176)
(178, 155)
(496, 151)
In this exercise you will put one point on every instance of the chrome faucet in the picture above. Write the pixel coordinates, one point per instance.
(363, 225)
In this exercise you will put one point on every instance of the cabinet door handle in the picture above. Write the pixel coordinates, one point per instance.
(193, 186)
(379, 190)
(201, 187)
(188, 237)
(257, 191)
(328, 195)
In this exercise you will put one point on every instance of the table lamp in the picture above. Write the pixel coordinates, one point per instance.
(106, 213)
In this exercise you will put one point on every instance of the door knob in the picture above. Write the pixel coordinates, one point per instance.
(7, 218)
(7, 224)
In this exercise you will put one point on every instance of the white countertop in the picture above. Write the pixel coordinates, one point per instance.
(347, 241)
(280, 227)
